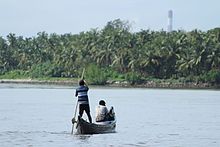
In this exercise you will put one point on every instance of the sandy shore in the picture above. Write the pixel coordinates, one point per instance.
(32, 81)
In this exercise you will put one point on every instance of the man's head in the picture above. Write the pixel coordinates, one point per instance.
(81, 82)
(102, 102)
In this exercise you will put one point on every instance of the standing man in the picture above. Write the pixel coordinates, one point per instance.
(83, 100)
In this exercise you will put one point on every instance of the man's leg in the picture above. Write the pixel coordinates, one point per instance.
(81, 110)
(90, 118)
(87, 109)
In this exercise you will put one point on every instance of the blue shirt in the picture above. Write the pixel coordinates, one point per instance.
(82, 94)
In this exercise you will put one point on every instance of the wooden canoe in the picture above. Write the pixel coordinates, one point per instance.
(84, 127)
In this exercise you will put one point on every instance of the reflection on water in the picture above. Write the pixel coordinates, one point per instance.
(145, 117)
(82, 137)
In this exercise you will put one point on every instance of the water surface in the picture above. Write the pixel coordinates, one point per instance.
(41, 117)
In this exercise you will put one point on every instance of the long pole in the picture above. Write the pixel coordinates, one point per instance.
(82, 76)
(74, 118)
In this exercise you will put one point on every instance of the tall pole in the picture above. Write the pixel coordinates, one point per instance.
(170, 21)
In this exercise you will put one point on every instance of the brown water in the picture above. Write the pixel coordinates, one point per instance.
(36, 116)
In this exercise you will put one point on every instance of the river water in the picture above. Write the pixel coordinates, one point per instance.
(40, 116)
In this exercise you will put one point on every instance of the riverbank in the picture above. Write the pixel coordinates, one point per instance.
(36, 81)
(147, 84)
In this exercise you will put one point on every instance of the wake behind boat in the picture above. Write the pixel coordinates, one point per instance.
(84, 127)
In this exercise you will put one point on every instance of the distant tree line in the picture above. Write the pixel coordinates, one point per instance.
(115, 52)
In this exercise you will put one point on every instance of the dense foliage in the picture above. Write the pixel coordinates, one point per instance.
(114, 52)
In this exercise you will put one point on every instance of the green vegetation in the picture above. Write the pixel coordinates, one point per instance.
(114, 53)
(95, 75)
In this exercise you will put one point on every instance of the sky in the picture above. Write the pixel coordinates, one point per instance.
(28, 17)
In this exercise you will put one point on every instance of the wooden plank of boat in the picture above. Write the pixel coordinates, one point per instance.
(84, 127)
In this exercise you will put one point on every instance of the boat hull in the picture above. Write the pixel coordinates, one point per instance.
(84, 127)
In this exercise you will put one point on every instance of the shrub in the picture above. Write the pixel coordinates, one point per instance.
(15, 74)
(95, 75)
(41, 70)
(213, 77)
(133, 78)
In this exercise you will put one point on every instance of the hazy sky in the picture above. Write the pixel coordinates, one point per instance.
(27, 17)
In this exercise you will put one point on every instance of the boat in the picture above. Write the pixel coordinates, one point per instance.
(84, 127)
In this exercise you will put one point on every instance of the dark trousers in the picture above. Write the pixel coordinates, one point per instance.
(85, 107)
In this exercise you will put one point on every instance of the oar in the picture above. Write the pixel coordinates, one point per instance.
(74, 118)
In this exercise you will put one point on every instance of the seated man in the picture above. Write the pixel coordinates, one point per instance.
(102, 113)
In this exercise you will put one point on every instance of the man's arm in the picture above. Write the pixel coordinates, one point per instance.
(106, 110)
